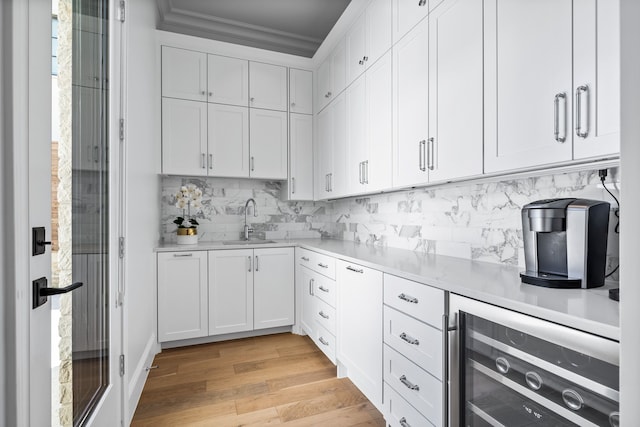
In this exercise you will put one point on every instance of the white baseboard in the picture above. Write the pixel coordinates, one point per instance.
(226, 337)
(139, 375)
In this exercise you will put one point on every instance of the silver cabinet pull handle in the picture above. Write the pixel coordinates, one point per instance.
(584, 89)
(252, 164)
(304, 258)
(409, 339)
(360, 172)
(409, 384)
(403, 421)
(323, 341)
(421, 155)
(431, 154)
(257, 263)
(210, 161)
(355, 270)
(311, 286)
(360, 62)
(248, 263)
(556, 116)
(322, 265)
(203, 160)
(181, 255)
(96, 156)
(366, 171)
(330, 182)
(408, 298)
(323, 289)
(324, 316)
(293, 185)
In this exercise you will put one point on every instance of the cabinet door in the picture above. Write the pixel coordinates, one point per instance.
(300, 89)
(268, 148)
(411, 107)
(267, 86)
(182, 295)
(301, 157)
(230, 291)
(379, 129)
(357, 142)
(273, 288)
(324, 152)
(406, 14)
(228, 80)
(356, 49)
(359, 331)
(454, 149)
(304, 285)
(228, 141)
(338, 69)
(596, 78)
(338, 178)
(528, 72)
(184, 74)
(323, 88)
(184, 137)
(378, 35)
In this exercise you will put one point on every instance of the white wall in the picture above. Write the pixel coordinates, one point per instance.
(630, 206)
(142, 153)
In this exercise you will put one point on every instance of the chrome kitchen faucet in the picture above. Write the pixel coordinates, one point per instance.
(248, 230)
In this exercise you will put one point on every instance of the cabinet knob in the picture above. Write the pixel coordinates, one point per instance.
(202, 92)
(422, 2)
(252, 99)
(210, 93)
(293, 104)
(361, 62)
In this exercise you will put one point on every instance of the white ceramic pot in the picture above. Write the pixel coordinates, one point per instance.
(187, 236)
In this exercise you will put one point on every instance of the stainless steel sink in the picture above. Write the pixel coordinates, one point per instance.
(247, 242)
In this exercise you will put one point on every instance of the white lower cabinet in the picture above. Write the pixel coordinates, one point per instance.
(399, 413)
(182, 295)
(359, 349)
(273, 288)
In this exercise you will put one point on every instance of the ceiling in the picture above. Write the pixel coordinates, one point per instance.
(296, 27)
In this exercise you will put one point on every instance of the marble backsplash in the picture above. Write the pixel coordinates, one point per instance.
(479, 221)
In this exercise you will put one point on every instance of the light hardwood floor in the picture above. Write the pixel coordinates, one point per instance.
(279, 379)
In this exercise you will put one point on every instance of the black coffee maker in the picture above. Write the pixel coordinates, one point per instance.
(565, 242)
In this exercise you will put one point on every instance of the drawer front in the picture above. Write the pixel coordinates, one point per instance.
(320, 263)
(420, 301)
(325, 289)
(419, 388)
(399, 413)
(326, 341)
(415, 340)
(325, 316)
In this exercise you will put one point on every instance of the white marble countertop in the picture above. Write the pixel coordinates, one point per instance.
(589, 310)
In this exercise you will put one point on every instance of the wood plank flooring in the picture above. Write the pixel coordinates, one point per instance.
(272, 380)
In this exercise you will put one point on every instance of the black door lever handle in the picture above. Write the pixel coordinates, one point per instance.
(41, 291)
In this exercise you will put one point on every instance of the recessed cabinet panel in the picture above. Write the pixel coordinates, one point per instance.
(228, 141)
(304, 287)
(273, 288)
(228, 80)
(268, 148)
(267, 86)
(528, 90)
(184, 137)
(184, 74)
(324, 153)
(300, 91)
(378, 35)
(356, 135)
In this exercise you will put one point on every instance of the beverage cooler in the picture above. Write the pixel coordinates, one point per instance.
(509, 369)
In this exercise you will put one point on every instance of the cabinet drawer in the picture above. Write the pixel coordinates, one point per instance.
(416, 386)
(325, 315)
(416, 340)
(325, 289)
(320, 263)
(326, 341)
(399, 413)
(420, 301)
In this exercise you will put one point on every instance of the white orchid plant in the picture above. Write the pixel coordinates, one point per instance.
(189, 196)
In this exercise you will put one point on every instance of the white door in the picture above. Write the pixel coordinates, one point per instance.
(300, 91)
(184, 137)
(273, 288)
(411, 102)
(228, 80)
(228, 141)
(357, 154)
(96, 384)
(355, 41)
(301, 157)
(267, 86)
(230, 291)
(527, 84)
(184, 74)
(268, 146)
(455, 72)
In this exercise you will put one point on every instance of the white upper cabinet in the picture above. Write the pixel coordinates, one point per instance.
(411, 107)
(454, 148)
(267, 86)
(300, 91)
(184, 74)
(228, 80)
(407, 13)
(323, 150)
(368, 39)
(268, 146)
(357, 153)
(528, 83)
(228, 141)
(596, 78)
(184, 137)
(331, 76)
(300, 184)
(331, 149)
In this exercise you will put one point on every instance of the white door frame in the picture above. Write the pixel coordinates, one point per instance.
(20, 91)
